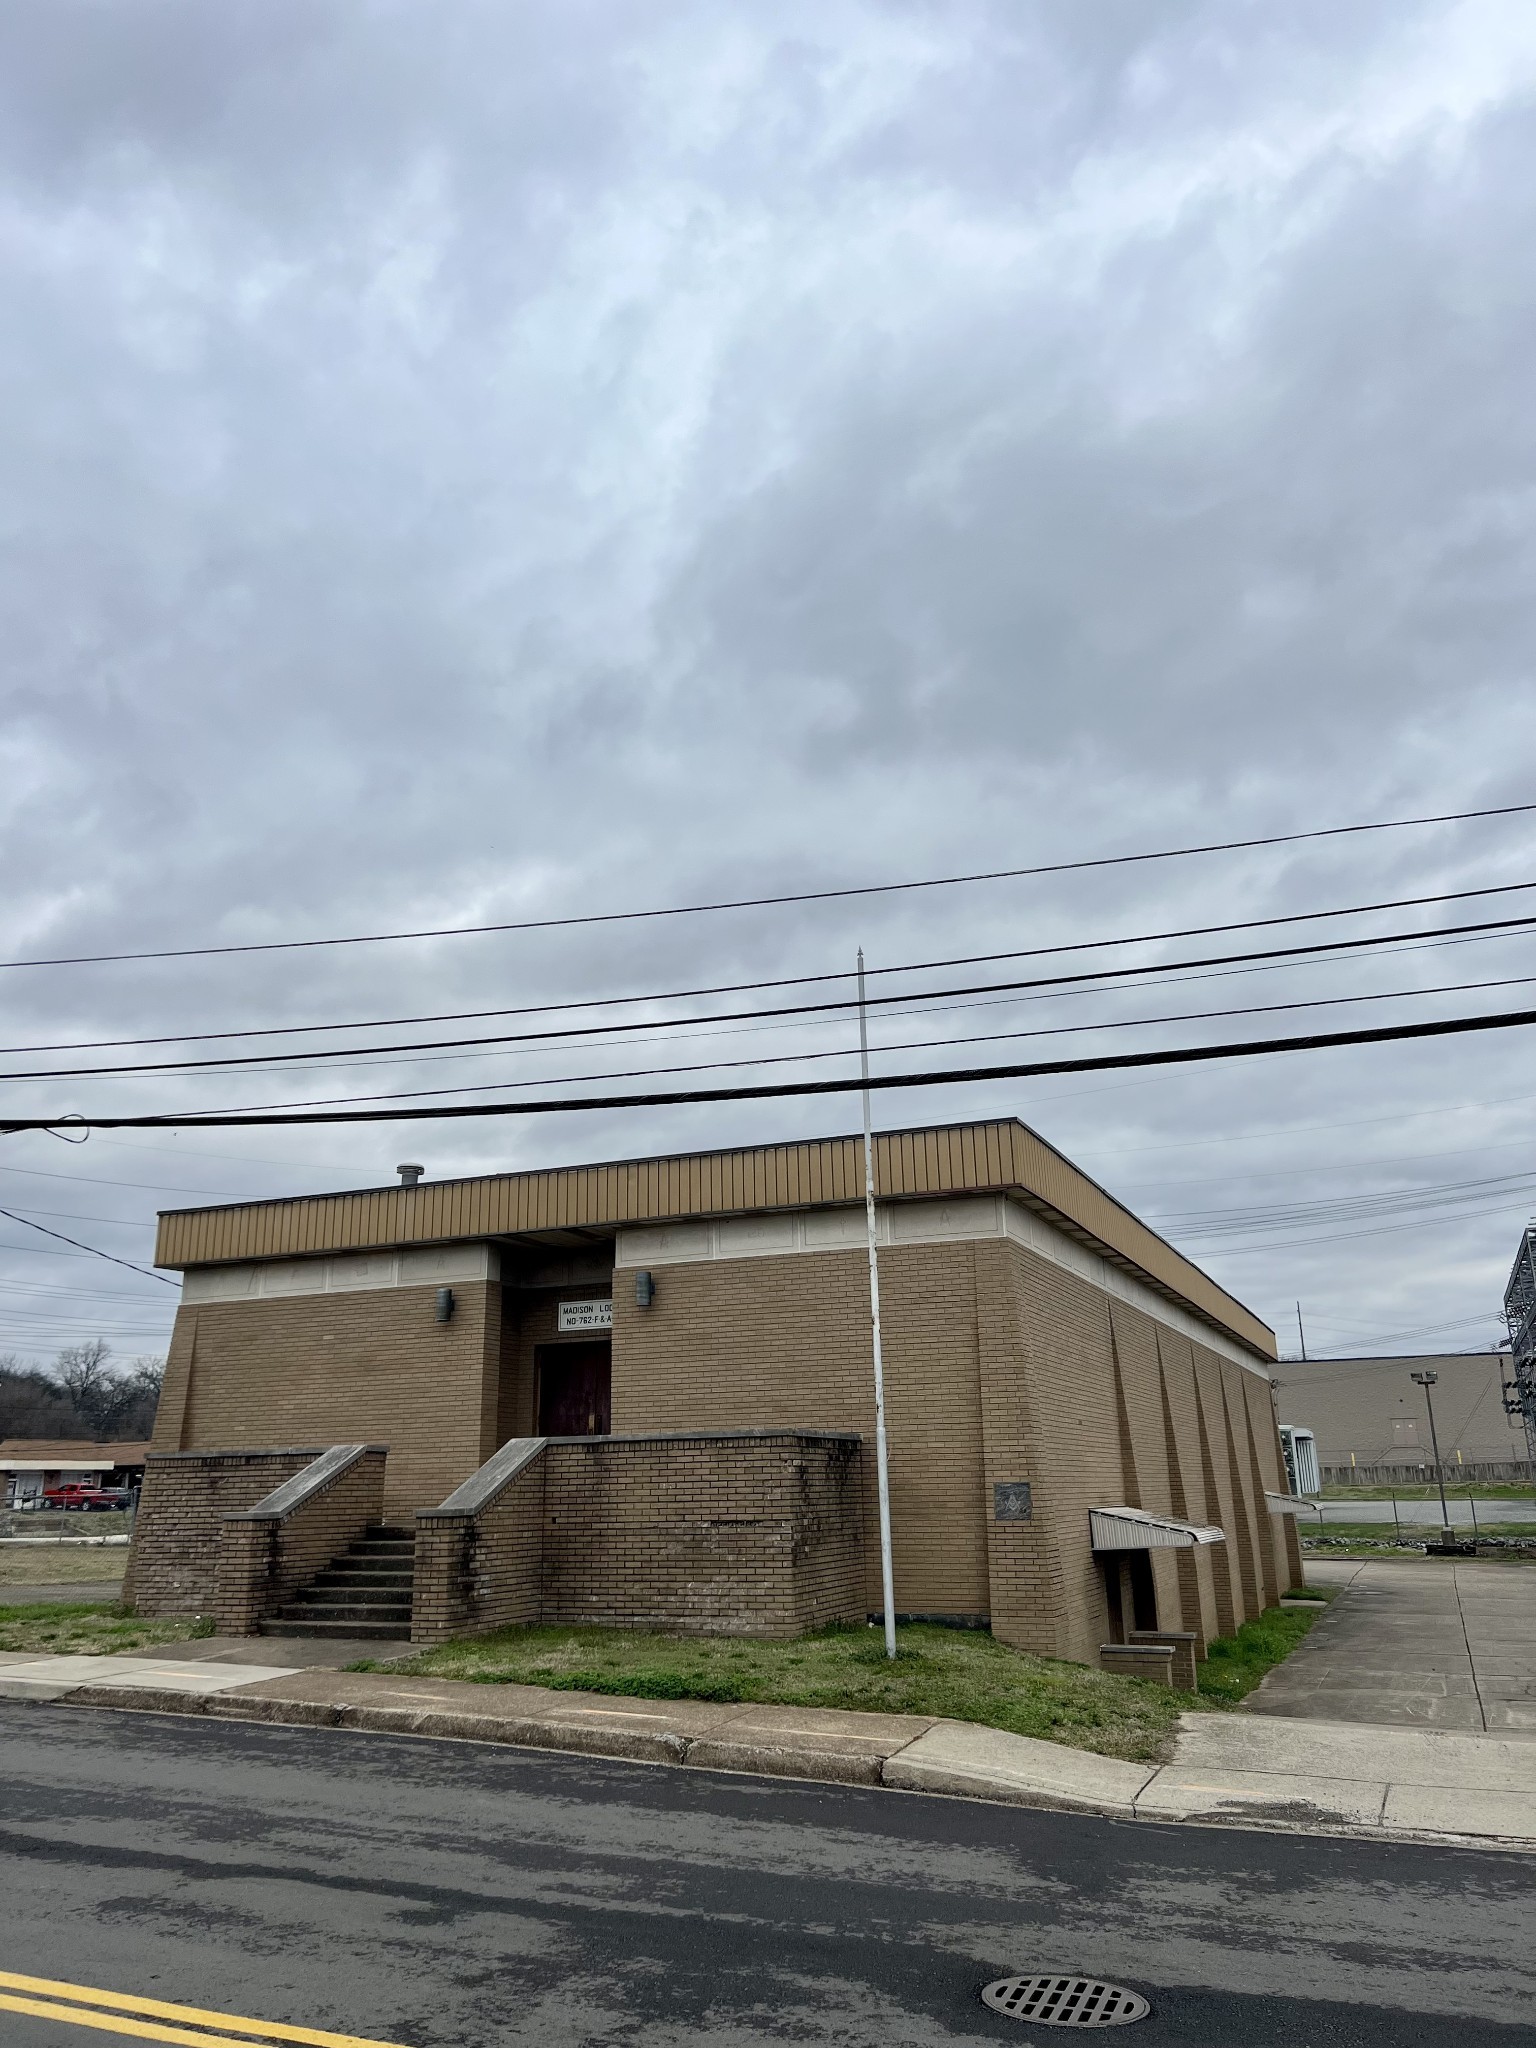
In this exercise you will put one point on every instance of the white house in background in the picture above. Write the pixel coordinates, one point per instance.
(29, 1466)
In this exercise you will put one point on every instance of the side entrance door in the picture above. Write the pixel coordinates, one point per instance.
(575, 1388)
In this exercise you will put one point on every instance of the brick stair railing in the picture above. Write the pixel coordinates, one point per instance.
(367, 1591)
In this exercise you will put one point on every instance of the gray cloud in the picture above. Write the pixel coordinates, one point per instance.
(510, 461)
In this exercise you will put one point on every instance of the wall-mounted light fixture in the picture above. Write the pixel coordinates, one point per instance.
(445, 1304)
(645, 1289)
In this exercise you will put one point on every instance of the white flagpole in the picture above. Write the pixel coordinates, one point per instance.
(886, 1585)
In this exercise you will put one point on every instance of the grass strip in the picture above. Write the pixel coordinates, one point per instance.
(62, 1565)
(78, 1628)
(1421, 1532)
(1235, 1664)
(954, 1674)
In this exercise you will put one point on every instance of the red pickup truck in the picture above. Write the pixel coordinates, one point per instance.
(78, 1493)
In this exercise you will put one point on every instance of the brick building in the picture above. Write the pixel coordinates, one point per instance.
(1082, 1433)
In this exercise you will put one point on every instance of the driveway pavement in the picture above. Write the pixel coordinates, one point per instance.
(1431, 1645)
(1425, 1514)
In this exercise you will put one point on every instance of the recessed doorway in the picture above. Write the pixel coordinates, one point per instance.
(575, 1388)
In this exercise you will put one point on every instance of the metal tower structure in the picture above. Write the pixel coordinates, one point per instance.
(1520, 1314)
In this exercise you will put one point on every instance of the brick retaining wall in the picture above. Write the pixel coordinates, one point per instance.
(740, 1533)
(174, 1557)
(480, 1568)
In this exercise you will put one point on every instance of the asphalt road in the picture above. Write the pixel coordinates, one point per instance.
(449, 1895)
(1426, 1513)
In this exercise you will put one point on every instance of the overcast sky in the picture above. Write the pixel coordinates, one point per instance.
(501, 461)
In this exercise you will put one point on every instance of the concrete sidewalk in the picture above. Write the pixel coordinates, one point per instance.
(1431, 1644)
(1232, 1769)
(1421, 1783)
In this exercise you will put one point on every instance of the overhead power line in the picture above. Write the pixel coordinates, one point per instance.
(734, 988)
(27, 1224)
(789, 1059)
(1234, 1222)
(252, 1061)
(1495, 1206)
(1442, 1027)
(537, 924)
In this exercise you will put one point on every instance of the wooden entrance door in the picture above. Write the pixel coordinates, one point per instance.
(575, 1388)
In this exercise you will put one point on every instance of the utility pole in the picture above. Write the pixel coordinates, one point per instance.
(1426, 1380)
(887, 1590)
(1301, 1333)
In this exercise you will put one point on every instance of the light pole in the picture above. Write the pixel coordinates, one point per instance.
(1426, 1380)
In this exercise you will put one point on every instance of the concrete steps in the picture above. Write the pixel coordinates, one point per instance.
(365, 1592)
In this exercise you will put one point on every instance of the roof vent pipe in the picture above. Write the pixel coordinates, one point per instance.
(409, 1174)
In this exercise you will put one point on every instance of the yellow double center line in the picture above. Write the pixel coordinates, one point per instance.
(151, 2019)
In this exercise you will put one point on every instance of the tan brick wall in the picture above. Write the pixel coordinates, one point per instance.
(264, 1561)
(1195, 1570)
(1028, 1577)
(785, 1343)
(371, 1367)
(1183, 1644)
(174, 1557)
(477, 1572)
(1295, 1571)
(748, 1535)
(740, 1536)
(1152, 1661)
(1000, 1366)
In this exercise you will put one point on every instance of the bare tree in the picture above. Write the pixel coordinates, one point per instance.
(138, 1396)
(84, 1396)
(83, 1373)
(32, 1404)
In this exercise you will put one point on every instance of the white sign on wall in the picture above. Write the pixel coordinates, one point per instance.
(574, 1317)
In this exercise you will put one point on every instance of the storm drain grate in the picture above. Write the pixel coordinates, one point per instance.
(1065, 2001)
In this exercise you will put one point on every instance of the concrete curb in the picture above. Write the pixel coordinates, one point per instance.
(824, 1760)
(775, 1760)
(1333, 1787)
(963, 1760)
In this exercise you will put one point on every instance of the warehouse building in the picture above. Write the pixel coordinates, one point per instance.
(1372, 1425)
(1083, 1442)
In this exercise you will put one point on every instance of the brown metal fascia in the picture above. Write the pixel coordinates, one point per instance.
(1074, 1201)
(1002, 1156)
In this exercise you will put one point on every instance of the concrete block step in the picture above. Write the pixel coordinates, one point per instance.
(335, 1586)
(369, 1631)
(365, 1575)
(348, 1593)
(329, 1610)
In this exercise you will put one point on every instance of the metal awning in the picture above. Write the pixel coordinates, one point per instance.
(1288, 1504)
(1134, 1529)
